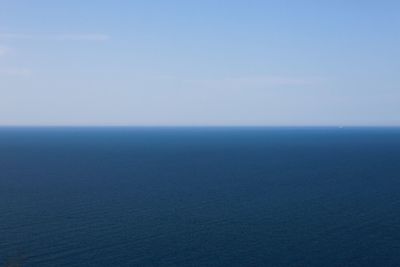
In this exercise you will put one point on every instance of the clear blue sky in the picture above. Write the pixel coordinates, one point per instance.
(208, 62)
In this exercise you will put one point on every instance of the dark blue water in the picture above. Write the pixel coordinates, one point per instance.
(200, 197)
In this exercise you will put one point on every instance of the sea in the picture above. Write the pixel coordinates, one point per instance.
(199, 196)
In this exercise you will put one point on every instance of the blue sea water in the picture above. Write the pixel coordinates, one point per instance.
(200, 196)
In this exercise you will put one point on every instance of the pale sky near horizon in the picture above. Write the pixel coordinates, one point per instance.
(209, 62)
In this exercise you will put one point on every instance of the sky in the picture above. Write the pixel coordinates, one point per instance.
(200, 63)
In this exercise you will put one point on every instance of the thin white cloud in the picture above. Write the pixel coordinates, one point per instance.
(55, 37)
(10, 36)
(20, 72)
(260, 82)
(82, 37)
(3, 50)
(245, 82)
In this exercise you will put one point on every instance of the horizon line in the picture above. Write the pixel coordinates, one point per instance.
(196, 126)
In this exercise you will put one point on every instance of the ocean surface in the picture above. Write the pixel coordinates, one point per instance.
(200, 197)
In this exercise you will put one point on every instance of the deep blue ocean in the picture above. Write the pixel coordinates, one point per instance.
(200, 197)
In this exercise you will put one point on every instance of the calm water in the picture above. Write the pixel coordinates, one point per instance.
(200, 197)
